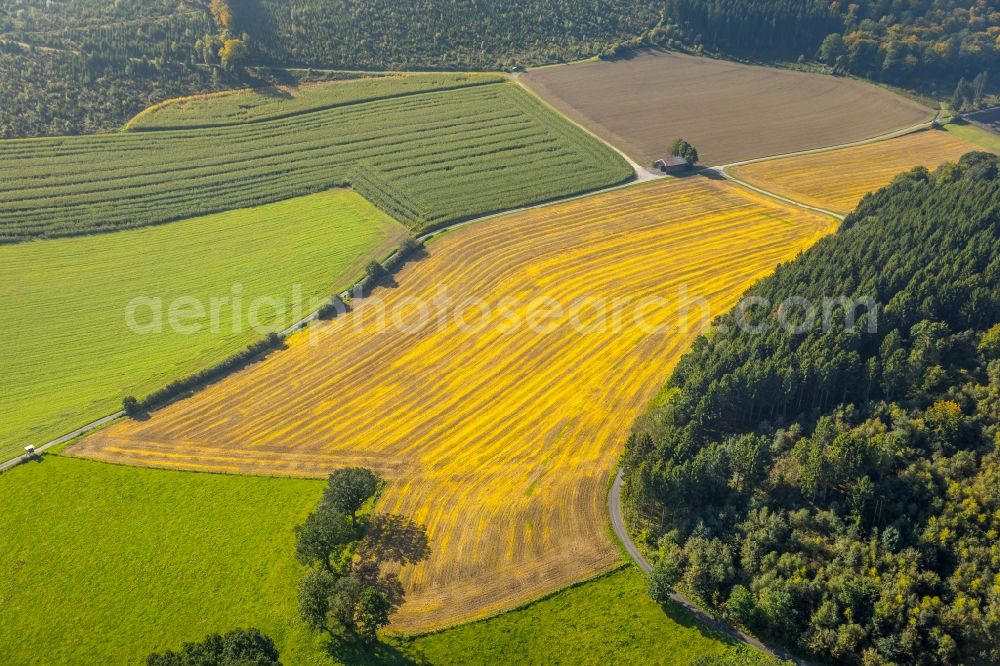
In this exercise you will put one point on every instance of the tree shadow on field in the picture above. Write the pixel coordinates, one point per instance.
(635, 52)
(707, 626)
(387, 282)
(369, 654)
(706, 172)
(273, 92)
(417, 255)
(393, 538)
(388, 538)
(266, 82)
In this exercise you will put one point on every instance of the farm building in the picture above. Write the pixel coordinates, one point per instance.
(672, 165)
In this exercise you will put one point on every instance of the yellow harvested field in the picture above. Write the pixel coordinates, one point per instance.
(837, 179)
(497, 426)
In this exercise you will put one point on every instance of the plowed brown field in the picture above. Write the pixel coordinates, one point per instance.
(837, 179)
(729, 111)
(498, 436)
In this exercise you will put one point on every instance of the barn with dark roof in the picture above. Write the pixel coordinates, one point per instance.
(672, 165)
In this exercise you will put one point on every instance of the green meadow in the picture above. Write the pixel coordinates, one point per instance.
(973, 134)
(103, 564)
(608, 620)
(70, 356)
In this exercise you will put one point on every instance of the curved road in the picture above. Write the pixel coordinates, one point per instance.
(618, 524)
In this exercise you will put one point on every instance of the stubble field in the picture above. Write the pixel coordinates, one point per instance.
(837, 179)
(497, 425)
(729, 111)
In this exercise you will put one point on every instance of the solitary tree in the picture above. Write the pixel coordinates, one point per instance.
(315, 590)
(979, 86)
(963, 94)
(349, 488)
(682, 148)
(371, 613)
(131, 406)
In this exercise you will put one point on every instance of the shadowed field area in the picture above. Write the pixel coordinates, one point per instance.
(609, 620)
(729, 111)
(498, 423)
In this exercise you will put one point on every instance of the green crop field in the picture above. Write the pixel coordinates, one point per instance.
(977, 135)
(427, 159)
(240, 106)
(103, 564)
(609, 620)
(68, 355)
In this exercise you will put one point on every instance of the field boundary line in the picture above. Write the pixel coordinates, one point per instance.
(543, 204)
(128, 127)
(895, 134)
(311, 317)
(83, 430)
(775, 196)
(642, 174)
(618, 525)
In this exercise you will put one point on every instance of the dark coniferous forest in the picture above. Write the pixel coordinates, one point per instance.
(837, 488)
